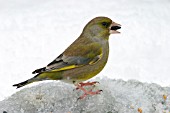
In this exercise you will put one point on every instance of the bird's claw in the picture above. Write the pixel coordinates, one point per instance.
(87, 84)
(89, 93)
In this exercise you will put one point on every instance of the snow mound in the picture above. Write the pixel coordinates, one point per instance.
(118, 96)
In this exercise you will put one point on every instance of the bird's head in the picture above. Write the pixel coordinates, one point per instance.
(102, 27)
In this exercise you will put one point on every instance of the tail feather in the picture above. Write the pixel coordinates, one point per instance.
(26, 82)
(40, 77)
(21, 84)
(39, 70)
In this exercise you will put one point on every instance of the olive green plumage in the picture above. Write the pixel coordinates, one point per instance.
(84, 58)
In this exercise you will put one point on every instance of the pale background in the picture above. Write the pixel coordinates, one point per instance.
(34, 32)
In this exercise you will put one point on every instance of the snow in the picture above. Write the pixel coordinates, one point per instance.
(34, 32)
(118, 96)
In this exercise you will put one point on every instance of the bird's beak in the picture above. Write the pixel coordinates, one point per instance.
(114, 27)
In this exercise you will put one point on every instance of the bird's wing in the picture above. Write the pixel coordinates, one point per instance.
(74, 57)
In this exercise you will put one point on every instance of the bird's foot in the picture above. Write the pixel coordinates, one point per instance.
(87, 92)
(86, 84)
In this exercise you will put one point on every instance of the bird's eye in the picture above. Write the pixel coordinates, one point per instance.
(105, 24)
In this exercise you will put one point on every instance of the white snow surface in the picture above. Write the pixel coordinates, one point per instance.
(34, 32)
(118, 96)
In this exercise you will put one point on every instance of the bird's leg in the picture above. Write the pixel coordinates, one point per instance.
(86, 84)
(87, 92)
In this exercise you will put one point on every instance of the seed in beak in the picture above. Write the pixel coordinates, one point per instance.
(115, 28)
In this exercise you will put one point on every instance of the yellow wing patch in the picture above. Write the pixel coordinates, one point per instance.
(65, 68)
(96, 59)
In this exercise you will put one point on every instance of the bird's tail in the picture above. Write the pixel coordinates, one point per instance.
(40, 77)
(31, 80)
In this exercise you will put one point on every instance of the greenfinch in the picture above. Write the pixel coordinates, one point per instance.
(84, 58)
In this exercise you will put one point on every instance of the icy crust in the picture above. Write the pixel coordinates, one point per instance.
(118, 96)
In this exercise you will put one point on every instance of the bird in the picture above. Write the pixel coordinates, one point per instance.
(83, 59)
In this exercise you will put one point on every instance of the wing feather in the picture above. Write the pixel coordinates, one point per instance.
(74, 57)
